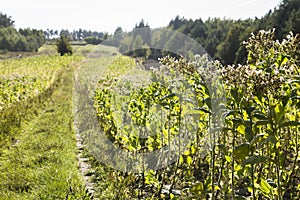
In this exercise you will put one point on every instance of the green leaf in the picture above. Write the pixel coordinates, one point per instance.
(189, 160)
(249, 133)
(250, 109)
(255, 159)
(198, 188)
(265, 187)
(203, 109)
(172, 196)
(241, 129)
(290, 123)
(270, 138)
(186, 153)
(262, 122)
(279, 112)
(227, 158)
(281, 60)
(193, 150)
(250, 189)
(241, 151)
(167, 96)
(131, 148)
(256, 138)
(180, 160)
(217, 187)
(229, 112)
(221, 146)
(237, 121)
(284, 60)
(260, 116)
(208, 102)
(234, 93)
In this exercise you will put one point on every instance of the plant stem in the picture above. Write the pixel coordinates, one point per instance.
(232, 166)
(213, 173)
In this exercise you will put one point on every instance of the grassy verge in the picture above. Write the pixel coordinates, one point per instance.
(43, 164)
(25, 85)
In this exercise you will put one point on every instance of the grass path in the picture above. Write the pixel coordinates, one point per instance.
(43, 163)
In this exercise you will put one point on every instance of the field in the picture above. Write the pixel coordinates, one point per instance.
(38, 151)
(220, 132)
(243, 146)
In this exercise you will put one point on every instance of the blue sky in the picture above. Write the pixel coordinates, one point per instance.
(106, 15)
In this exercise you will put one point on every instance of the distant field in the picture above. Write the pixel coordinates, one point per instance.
(87, 49)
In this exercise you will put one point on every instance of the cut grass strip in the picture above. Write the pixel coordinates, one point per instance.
(43, 164)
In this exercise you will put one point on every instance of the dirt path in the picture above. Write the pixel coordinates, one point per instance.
(84, 166)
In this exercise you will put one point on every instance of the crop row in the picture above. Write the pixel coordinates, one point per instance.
(242, 125)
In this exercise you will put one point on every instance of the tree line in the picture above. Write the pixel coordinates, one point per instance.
(90, 37)
(29, 40)
(12, 39)
(221, 38)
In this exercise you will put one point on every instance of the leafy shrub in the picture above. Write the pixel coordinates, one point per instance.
(63, 46)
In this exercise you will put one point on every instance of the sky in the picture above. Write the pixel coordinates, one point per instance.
(106, 16)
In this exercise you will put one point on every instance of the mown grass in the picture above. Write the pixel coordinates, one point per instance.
(25, 84)
(43, 164)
